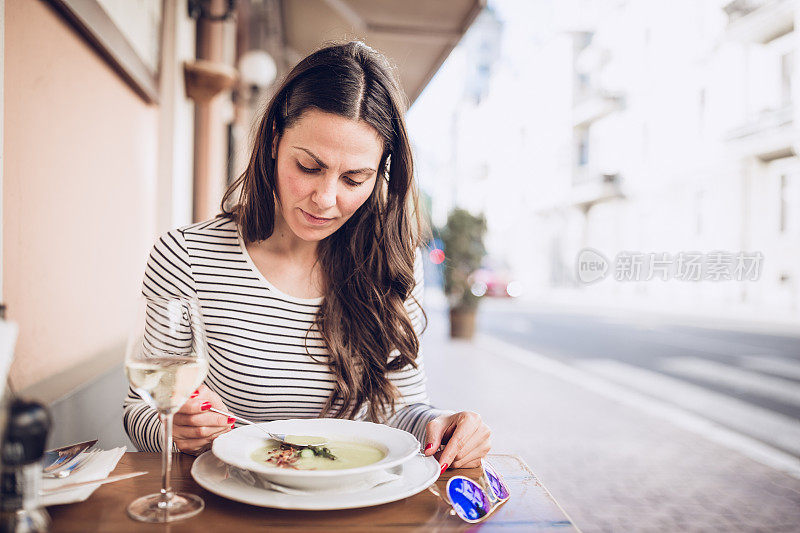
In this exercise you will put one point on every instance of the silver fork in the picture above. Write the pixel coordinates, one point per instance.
(280, 437)
(74, 465)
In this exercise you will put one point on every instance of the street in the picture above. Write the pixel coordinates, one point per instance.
(617, 416)
(747, 382)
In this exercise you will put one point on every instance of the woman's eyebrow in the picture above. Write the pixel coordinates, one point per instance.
(313, 156)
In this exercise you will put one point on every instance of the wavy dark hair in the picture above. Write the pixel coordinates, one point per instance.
(368, 264)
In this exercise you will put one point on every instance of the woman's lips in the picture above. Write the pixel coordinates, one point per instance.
(317, 221)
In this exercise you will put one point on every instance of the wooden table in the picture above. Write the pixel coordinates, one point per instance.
(531, 507)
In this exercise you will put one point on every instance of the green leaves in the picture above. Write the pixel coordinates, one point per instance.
(464, 250)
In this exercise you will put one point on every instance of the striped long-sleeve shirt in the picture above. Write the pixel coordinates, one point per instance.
(267, 361)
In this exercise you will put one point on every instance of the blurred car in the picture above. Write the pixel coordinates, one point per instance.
(489, 282)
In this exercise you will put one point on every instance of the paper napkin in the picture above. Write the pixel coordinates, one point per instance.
(98, 467)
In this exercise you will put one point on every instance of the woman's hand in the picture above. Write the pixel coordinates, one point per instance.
(195, 427)
(467, 439)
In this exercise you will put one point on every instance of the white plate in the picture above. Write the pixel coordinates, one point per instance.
(235, 448)
(418, 473)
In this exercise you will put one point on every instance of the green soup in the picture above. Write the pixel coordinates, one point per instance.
(347, 455)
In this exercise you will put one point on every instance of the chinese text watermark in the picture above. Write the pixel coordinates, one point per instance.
(717, 265)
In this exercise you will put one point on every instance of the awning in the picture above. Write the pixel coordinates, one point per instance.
(416, 35)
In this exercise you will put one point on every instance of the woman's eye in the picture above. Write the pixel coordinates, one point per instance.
(306, 169)
(351, 182)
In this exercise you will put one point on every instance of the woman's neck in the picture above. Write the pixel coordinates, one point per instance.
(287, 262)
(284, 243)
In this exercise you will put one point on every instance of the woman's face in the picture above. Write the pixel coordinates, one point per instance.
(326, 167)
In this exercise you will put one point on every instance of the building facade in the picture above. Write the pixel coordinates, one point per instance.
(663, 136)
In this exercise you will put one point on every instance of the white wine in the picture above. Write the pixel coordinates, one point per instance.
(166, 382)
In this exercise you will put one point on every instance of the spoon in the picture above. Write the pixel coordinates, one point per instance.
(291, 440)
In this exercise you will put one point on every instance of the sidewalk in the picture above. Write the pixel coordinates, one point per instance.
(611, 466)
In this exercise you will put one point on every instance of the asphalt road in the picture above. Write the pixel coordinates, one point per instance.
(749, 382)
(613, 458)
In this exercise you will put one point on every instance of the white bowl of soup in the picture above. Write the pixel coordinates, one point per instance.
(354, 452)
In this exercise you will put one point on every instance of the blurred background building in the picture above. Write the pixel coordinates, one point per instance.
(625, 127)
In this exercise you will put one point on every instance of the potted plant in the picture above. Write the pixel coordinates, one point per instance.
(463, 249)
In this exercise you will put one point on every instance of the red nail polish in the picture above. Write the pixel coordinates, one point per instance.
(205, 406)
(232, 425)
(231, 420)
(195, 394)
(444, 467)
(429, 446)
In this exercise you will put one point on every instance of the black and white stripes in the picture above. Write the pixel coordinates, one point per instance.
(266, 359)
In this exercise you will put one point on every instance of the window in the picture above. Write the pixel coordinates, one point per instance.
(583, 147)
(584, 85)
(784, 204)
(126, 34)
(787, 77)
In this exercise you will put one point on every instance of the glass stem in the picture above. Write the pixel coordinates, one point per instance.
(166, 461)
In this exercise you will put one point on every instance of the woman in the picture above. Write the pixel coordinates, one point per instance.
(310, 282)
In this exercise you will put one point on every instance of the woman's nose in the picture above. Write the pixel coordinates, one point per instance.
(325, 194)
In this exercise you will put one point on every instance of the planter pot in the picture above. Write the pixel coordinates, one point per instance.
(462, 323)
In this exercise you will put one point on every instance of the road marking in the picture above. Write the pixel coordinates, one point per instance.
(709, 429)
(772, 365)
(771, 427)
(730, 376)
(701, 343)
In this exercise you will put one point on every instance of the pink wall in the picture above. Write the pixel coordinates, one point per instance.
(78, 194)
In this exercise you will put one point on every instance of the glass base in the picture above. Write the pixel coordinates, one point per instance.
(151, 508)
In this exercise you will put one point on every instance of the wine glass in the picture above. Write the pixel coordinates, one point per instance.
(165, 361)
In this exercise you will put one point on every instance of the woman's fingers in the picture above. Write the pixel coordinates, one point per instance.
(437, 430)
(197, 432)
(195, 421)
(467, 423)
(202, 400)
(475, 450)
(197, 446)
(195, 425)
(202, 419)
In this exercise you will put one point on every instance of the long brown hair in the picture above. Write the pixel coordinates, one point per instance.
(368, 264)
